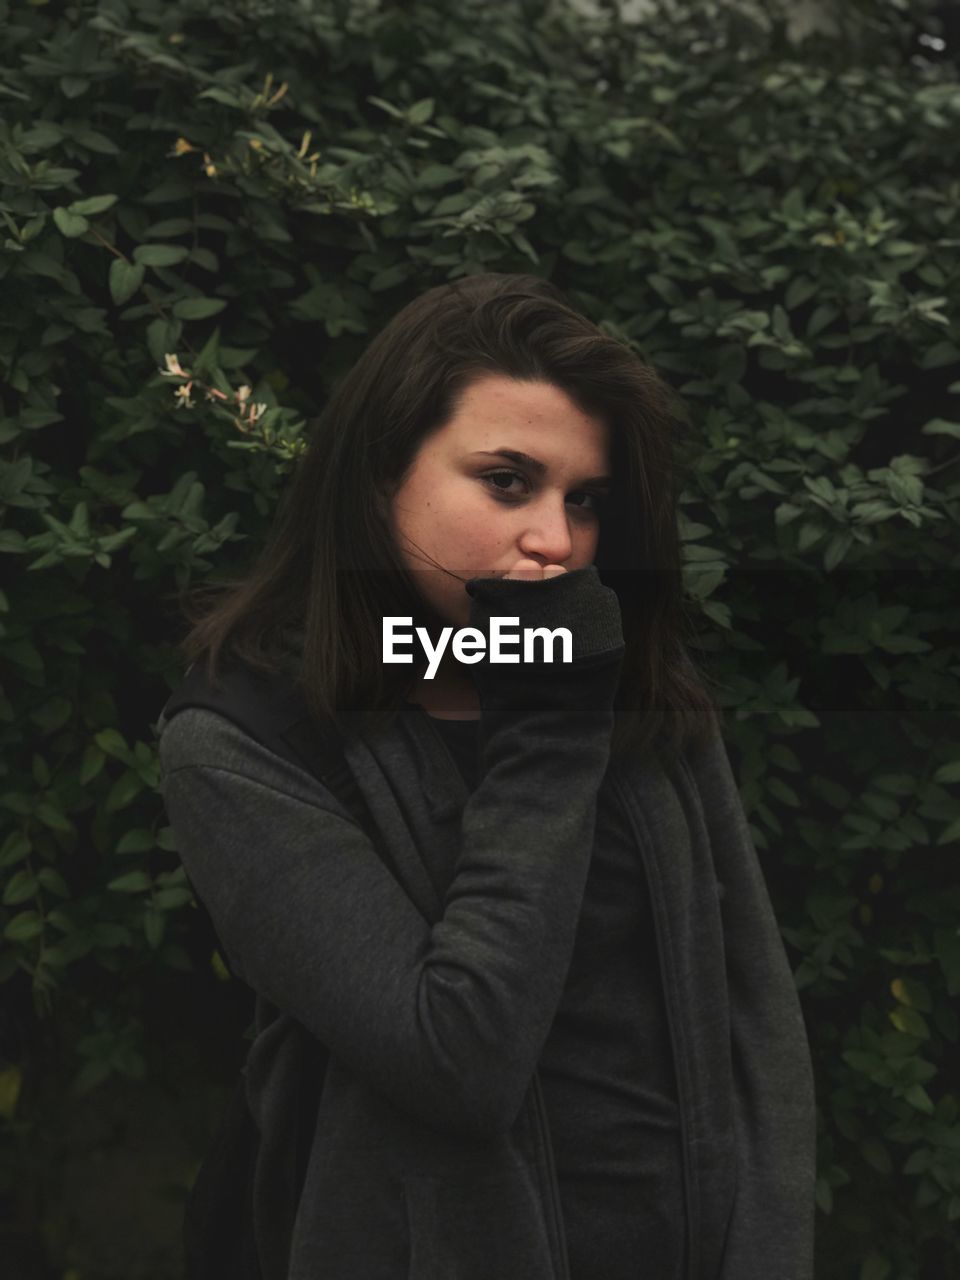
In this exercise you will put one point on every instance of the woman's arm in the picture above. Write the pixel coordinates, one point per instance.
(446, 1020)
(772, 1226)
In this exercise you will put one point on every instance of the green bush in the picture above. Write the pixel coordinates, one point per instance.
(251, 190)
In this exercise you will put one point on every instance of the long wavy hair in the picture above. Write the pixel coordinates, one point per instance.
(330, 570)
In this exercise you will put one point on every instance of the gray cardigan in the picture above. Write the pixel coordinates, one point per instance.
(431, 967)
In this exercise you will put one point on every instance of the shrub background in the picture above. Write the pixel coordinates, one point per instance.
(255, 188)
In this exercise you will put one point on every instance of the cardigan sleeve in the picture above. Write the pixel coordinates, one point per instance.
(771, 1230)
(446, 1019)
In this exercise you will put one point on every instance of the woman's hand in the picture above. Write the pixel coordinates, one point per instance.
(529, 569)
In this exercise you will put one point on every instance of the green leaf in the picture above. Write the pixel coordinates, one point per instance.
(52, 879)
(139, 511)
(74, 86)
(52, 715)
(822, 316)
(125, 279)
(12, 540)
(377, 102)
(784, 758)
(163, 336)
(836, 550)
(27, 925)
(69, 224)
(159, 255)
(236, 357)
(60, 920)
(666, 288)
(22, 885)
(91, 765)
(914, 994)
(801, 288)
(52, 817)
(205, 364)
(119, 539)
(72, 948)
(139, 840)
(939, 355)
(821, 487)
(918, 1097)
(126, 789)
(866, 1063)
(80, 521)
(131, 882)
(785, 513)
(92, 205)
(91, 1074)
(226, 97)
(432, 176)
(910, 1022)
(391, 276)
(421, 111)
(111, 935)
(15, 848)
(198, 308)
(154, 925)
(17, 802)
(168, 899)
(112, 743)
(941, 427)
(169, 227)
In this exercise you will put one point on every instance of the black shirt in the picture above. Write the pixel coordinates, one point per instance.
(607, 1071)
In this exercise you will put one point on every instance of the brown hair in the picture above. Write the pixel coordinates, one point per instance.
(329, 570)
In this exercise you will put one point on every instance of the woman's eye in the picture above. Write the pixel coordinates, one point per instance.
(493, 478)
(596, 500)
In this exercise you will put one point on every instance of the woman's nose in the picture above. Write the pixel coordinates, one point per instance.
(547, 533)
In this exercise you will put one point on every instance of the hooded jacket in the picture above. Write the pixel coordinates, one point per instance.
(431, 961)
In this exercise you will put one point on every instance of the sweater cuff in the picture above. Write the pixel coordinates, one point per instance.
(577, 600)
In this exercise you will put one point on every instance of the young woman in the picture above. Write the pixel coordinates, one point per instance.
(564, 1040)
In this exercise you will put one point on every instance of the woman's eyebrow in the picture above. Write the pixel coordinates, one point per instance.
(535, 465)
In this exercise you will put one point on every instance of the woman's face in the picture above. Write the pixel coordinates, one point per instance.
(465, 506)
